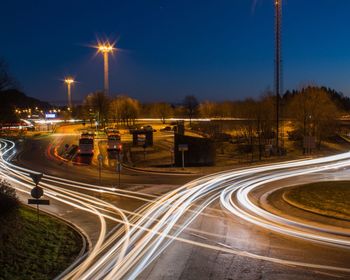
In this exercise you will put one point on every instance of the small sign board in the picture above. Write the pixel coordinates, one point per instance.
(37, 192)
(36, 177)
(50, 116)
(183, 147)
(100, 157)
(39, 201)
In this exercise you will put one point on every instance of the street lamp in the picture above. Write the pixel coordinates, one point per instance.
(106, 48)
(69, 81)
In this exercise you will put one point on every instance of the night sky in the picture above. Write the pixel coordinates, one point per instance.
(216, 50)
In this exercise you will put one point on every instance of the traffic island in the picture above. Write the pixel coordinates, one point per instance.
(329, 199)
(35, 250)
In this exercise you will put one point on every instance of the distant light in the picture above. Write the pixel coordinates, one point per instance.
(50, 116)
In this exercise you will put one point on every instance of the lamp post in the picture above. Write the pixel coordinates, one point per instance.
(106, 48)
(69, 81)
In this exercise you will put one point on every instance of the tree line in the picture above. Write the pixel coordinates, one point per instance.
(313, 110)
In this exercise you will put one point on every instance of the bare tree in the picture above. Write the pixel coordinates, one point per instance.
(314, 112)
(208, 109)
(98, 104)
(124, 109)
(191, 105)
(162, 110)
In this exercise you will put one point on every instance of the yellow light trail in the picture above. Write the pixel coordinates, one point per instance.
(146, 233)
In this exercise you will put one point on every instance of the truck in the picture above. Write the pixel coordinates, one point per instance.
(113, 142)
(86, 145)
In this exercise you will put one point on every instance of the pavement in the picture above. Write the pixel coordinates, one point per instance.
(215, 227)
(216, 244)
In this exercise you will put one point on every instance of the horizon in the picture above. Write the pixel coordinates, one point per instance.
(168, 50)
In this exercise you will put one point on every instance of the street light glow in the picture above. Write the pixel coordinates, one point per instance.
(106, 47)
(69, 80)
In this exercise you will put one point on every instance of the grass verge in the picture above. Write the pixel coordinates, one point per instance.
(31, 250)
(331, 199)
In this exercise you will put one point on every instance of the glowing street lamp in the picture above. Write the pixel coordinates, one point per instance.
(69, 81)
(106, 48)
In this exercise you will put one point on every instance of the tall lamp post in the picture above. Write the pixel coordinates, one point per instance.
(106, 48)
(69, 81)
(278, 67)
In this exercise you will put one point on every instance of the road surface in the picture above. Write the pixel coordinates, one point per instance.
(211, 228)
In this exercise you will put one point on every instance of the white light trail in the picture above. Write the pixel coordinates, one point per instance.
(145, 234)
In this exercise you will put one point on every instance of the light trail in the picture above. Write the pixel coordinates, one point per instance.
(147, 232)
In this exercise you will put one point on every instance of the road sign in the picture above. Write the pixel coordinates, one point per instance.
(36, 177)
(37, 192)
(183, 147)
(100, 157)
(39, 201)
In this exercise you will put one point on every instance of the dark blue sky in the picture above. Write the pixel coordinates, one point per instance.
(217, 50)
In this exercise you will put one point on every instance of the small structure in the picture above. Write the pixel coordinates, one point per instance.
(142, 137)
(193, 151)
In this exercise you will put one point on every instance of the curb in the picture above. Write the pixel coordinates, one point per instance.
(127, 167)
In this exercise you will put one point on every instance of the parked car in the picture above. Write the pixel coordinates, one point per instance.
(148, 128)
(166, 128)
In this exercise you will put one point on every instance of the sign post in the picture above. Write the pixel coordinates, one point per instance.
(100, 159)
(37, 192)
(118, 165)
(183, 148)
(144, 146)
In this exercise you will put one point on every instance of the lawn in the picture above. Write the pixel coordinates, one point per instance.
(326, 198)
(31, 250)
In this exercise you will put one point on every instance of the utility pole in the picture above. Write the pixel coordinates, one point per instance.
(278, 67)
(106, 73)
(106, 48)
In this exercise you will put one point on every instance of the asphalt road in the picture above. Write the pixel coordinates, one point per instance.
(34, 153)
(215, 227)
(215, 232)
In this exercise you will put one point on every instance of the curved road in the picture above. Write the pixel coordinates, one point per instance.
(212, 228)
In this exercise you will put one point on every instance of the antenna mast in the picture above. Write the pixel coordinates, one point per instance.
(278, 67)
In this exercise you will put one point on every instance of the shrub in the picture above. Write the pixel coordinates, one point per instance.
(8, 198)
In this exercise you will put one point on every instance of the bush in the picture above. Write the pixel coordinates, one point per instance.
(8, 199)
